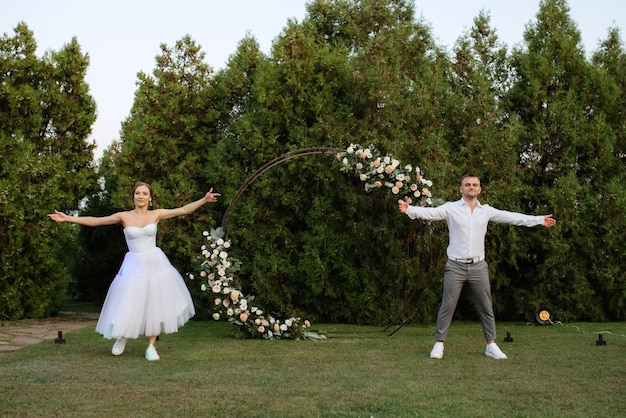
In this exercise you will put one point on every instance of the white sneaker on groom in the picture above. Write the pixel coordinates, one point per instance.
(494, 351)
(437, 351)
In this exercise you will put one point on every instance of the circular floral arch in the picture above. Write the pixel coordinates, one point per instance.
(218, 271)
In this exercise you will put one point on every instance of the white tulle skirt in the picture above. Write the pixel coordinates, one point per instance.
(147, 297)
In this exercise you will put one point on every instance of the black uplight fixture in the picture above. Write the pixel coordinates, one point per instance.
(544, 316)
(59, 339)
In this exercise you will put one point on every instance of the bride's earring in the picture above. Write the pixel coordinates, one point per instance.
(151, 203)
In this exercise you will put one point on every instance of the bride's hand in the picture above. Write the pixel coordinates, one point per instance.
(211, 197)
(58, 216)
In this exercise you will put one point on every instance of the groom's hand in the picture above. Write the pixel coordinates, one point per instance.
(403, 205)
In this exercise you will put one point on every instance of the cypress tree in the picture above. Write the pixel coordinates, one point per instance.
(46, 117)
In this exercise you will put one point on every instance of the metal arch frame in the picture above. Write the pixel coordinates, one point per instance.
(276, 161)
(323, 151)
(411, 298)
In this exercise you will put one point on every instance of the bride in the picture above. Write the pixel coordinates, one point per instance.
(148, 295)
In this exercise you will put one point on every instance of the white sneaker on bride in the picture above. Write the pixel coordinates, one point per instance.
(118, 347)
(494, 351)
(151, 353)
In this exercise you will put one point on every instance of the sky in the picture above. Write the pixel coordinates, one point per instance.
(123, 38)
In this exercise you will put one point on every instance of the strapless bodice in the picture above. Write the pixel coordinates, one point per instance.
(141, 239)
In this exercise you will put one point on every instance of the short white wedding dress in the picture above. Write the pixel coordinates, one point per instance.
(148, 296)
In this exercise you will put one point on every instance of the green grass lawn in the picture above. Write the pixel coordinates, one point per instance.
(552, 371)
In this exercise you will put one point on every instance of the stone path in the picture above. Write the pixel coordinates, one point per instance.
(17, 334)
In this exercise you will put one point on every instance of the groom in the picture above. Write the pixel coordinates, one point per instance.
(467, 222)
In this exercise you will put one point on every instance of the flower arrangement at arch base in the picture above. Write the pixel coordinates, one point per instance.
(218, 271)
(218, 274)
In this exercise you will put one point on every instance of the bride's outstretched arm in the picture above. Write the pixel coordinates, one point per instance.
(211, 196)
(57, 216)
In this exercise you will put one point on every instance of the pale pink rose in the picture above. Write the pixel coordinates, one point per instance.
(261, 329)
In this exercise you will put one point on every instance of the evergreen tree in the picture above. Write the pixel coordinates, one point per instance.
(611, 58)
(482, 139)
(46, 117)
(309, 237)
(566, 155)
(165, 141)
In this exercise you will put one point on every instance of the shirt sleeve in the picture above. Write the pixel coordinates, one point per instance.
(438, 213)
(514, 218)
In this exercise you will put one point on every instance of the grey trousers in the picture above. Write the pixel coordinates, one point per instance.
(455, 276)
